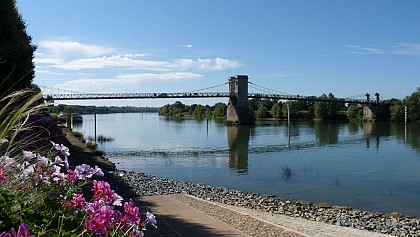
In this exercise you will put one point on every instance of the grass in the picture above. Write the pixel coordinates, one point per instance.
(286, 173)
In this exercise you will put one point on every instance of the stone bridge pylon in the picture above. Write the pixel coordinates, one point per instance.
(238, 106)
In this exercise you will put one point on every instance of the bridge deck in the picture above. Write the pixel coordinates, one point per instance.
(102, 96)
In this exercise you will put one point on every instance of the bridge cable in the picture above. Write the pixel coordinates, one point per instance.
(265, 89)
(211, 87)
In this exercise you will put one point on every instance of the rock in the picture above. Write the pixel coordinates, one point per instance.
(130, 184)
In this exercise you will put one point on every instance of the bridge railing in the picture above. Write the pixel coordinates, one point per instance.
(95, 96)
(306, 98)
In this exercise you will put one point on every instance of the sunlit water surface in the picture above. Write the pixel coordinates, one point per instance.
(366, 166)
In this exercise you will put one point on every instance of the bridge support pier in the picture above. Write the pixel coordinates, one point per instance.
(375, 111)
(238, 106)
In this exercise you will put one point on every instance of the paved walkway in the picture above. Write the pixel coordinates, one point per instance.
(191, 216)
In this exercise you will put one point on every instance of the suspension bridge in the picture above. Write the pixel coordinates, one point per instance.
(217, 91)
(239, 90)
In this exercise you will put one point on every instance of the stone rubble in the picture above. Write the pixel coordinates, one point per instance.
(134, 184)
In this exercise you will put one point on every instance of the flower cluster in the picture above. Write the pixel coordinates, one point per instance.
(102, 218)
(23, 231)
(28, 173)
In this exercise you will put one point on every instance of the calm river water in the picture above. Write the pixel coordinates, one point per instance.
(366, 166)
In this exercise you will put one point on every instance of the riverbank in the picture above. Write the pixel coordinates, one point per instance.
(145, 185)
(80, 154)
(134, 185)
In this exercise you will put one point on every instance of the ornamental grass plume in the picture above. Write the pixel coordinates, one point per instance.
(14, 115)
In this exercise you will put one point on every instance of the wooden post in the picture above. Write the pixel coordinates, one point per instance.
(288, 123)
(68, 118)
(94, 111)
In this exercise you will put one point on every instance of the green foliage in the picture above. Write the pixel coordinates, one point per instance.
(199, 112)
(267, 104)
(92, 146)
(355, 113)
(325, 110)
(294, 109)
(254, 104)
(262, 112)
(101, 109)
(397, 111)
(16, 50)
(78, 135)
(276, 111)
(220, 110)
(412, 102)
(413, 105)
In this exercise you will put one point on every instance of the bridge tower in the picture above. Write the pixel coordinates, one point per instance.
(375, 111)
(238, 106)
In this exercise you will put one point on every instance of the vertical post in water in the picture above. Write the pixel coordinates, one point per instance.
(94, 112)
(68, 118)
(207, 117)
(288, 123)
(405, 123)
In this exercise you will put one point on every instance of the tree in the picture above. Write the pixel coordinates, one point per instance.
(16, 50)
(254, 104)
(219, 110)
(198, 112)
(262, 112)
(354, 113)
(267, 103)
(413, 105)
(164, 110)
(397, 111)
(295, 107)
(327, 109)
(177, 108)
(276, 111)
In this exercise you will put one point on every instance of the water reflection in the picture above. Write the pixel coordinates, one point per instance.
(238, 141)
(408, 133)
(326, 133)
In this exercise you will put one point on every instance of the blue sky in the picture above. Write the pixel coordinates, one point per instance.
(347, 48)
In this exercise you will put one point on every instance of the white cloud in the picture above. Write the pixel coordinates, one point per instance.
(82, 65)
(412, 49)
(217, 64)
(364, 50)
(64, 51)
(121, 82)
(128, 61)
(136, 61)
(185, 45)
(408, 49)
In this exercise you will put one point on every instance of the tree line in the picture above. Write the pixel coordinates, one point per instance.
(411, 102)
(300, 109)
(61, 108)
(198, 111)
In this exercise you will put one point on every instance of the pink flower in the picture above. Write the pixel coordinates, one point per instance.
(23, 231)
(78, 201)
(2, 177)
(131, 213)
(102, 191)
(4, 234)
(72, 176)
(100, 222)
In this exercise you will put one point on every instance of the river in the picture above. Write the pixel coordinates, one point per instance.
(368, 166)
